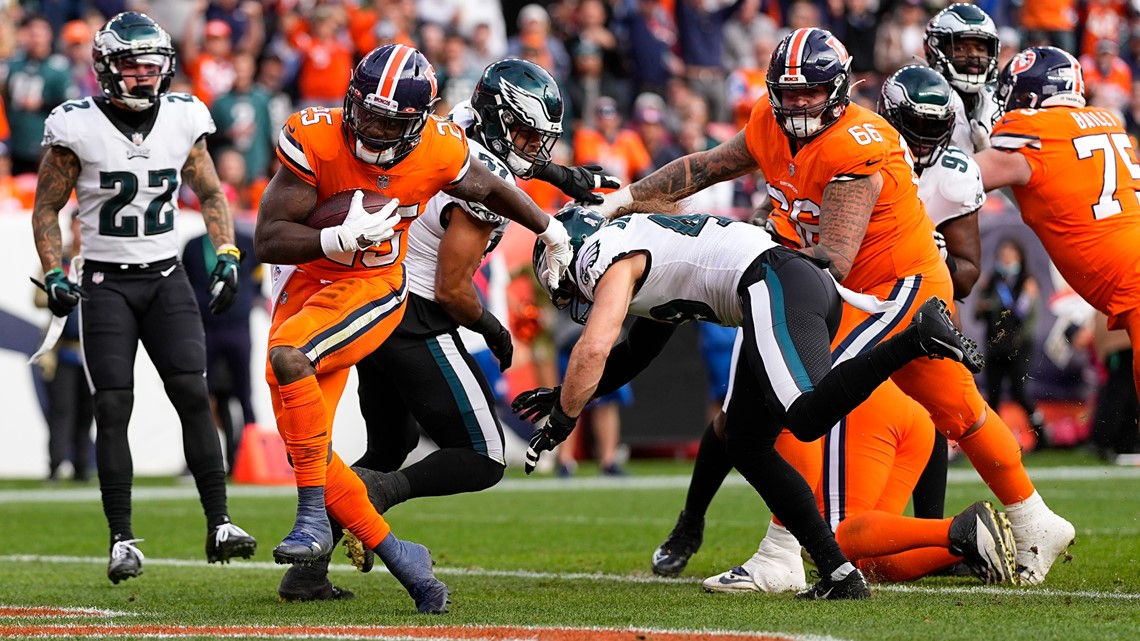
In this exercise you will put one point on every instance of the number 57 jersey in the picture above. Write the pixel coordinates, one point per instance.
(1082, 201)
(128, 183)
(899, 241)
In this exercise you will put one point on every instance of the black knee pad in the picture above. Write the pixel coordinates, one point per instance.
(113, 409)
(187, 392)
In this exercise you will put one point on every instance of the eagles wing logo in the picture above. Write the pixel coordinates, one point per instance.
(529, 106)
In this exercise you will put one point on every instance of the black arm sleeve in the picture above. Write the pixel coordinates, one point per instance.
(645, 340)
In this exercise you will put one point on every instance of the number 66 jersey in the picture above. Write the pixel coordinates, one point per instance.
(128, 182)
(899, 241)
(1082, 201)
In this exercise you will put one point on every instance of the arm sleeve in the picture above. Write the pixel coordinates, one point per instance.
(645, 340)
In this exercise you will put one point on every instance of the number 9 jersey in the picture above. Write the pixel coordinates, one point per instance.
(1082, 201)
(312, 145)
(128, 184)
(900, 238)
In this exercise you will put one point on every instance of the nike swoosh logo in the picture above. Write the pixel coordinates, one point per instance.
(168, 271)
(292, 129)
(1006, 121)
(731, 580)
(872, 162)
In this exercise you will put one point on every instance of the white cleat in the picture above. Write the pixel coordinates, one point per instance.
(775, 567)
(1040, 542)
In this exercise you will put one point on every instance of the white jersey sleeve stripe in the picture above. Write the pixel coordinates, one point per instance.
(462, 173)
(293, 152)
(1013, 142)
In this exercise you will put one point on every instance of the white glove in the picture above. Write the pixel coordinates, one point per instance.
(940, 241)
(360, 229)
(558, 253)
(979, 135)
(612, 202)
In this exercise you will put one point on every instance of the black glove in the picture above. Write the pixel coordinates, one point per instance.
(535, 404)
(497, 337)
(579, 183)
(63, 295)
(224, 280)
(548, 434)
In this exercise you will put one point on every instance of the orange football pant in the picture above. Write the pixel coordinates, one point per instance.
(336, 325)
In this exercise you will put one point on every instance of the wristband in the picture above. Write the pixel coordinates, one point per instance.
(555, 233)
(951, 263)
(231, 249)
(330, 241)
(485, 324)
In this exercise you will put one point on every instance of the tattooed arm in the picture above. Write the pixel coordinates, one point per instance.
(843, 218)
(199, 173)
(689, 174)
(59, 171)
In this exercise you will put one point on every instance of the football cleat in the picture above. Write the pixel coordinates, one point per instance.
(310, 583)
(775, 567)
(126, 560)
(852, 586)
(310, 541)
(361, 557)
(415, 574)
(985, 542)
(682, 543)
(227, 541)
(940, 339)
(1040, 542)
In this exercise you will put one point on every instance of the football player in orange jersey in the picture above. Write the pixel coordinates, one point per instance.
(1076, 179)
(344, 288)
(843, 190)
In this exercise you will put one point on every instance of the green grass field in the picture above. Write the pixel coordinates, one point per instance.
(545, 552)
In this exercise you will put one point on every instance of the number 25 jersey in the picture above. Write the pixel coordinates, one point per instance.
(1082, 201)
(313, 147)
(128, 184)
(899, 241)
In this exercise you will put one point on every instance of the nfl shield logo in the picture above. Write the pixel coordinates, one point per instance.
(97, 277)
(137, 138)
(382, 182)
(791, 169)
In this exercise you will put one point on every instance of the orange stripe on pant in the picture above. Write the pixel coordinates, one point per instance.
(336, 325)
(945, 388)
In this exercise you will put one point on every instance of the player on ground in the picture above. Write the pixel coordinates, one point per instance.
(126, 153)
(346, 288)
(423, 376)
(843, 191)
(1075, 176)
(666, 270)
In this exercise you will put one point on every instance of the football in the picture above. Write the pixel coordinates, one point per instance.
(333, 210)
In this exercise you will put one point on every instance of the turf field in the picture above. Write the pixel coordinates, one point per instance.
(548, 559)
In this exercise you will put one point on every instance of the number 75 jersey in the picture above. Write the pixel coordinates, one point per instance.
(128, 184)
(1082, 201)
(899, 240)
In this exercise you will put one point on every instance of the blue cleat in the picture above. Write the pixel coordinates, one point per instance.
(311, 539)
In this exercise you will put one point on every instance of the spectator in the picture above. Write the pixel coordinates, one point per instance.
(271, 76)
(901, 37)
(717, 199)
(700, 32)
(1108, 79)
(228, 342)
(1115, 418)
(753, 20)
(1008, 306)
(377, 23)
(590, 81)
(534, 33)
(591, 20)
(432, 36)
(618, 150)
(326, 62)
(483, 48)
(37, 82)
(650, 35)
(243, 119)
(1049, 22)
(748, 84)
(1010, 41)
(457, 75)
(210, 67)
(1104, 20)
(243, 17)
(858, 31)
(78, 38)
(649, 122)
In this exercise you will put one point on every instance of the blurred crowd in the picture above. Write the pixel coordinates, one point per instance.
(644, 81)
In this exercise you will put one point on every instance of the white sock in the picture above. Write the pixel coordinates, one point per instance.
(1024, 511)
(779, 542)
(842, 571)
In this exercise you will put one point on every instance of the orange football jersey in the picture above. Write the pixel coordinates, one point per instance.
(1083, 200)
(313, 147)
(900, 237)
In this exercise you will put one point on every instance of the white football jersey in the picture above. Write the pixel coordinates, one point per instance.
(986, 113)
(694, 263)
(128, 188)
(426, 232)
(951, 187)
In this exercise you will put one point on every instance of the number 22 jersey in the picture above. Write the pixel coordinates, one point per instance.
(1082, 201)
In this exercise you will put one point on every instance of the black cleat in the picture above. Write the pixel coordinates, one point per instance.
(683, 542)
(126, 561)
(227, 541)
(853, 586)
(310, 583)
(940, 339)
(985, 542)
